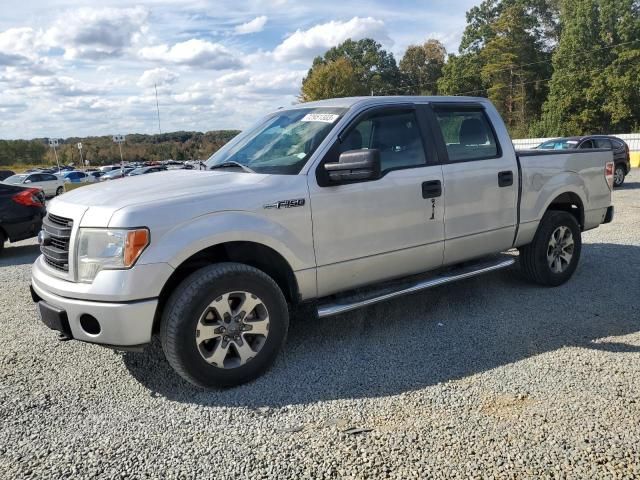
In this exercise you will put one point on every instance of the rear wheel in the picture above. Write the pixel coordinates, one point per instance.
(618, 175)
(224, 325)
(553, 255)
(59, 191)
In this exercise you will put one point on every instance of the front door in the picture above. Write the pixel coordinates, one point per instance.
(390, 227)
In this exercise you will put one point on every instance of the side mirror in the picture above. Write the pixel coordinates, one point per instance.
(27, 181)
(355, 166)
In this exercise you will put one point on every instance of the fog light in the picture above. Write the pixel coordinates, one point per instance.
(90, 324)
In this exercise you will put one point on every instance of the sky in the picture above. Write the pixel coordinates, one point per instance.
(73, 68)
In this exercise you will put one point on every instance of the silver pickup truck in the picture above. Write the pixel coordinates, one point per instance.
(336, 204)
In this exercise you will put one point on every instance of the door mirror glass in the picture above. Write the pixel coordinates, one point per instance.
(355, 166)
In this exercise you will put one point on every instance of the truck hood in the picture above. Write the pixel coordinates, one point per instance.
(160, 187)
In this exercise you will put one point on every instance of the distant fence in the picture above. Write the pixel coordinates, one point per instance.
(632, 139)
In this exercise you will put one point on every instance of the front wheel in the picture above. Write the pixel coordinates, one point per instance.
(224, 325)
(59, 191)
(552, 257)
(618, 175)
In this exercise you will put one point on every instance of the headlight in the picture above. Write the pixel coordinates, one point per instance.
(108, 249)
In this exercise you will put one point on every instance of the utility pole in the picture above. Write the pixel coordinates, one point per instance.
(157, 107)
(119, 139)
(81, 160)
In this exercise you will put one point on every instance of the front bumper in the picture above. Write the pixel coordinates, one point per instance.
(124, 324)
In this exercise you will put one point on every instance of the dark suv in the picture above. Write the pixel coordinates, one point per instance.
(619, 147)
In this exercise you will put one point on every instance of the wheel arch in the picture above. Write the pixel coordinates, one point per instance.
(569, 202)
(250, 253)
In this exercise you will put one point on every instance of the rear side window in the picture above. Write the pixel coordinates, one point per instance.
(602, 143)
(617, 144)
(467, 134)
(48, 178)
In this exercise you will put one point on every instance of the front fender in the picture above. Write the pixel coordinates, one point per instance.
(186, 239)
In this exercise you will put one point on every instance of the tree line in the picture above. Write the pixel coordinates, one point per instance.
(551, 67)
(102, 151)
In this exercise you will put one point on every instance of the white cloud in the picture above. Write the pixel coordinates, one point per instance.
(195, 53)
(304, 44)
(157, 76)
(18, 45)
(97, 33)
(254, 26)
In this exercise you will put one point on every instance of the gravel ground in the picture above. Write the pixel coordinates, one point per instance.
(490, 377)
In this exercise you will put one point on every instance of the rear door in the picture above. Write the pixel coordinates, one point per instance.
(390, 227)
(480, 183)
(50, 183)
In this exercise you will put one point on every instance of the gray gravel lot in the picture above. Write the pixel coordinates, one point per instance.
(487, 377)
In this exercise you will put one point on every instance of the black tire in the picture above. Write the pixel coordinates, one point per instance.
(534, 263)
(193, 297)
(59, 191)
(619, 174)
(3, 239)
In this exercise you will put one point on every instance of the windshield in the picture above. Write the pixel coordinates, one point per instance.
(560, 144)
(281, 143)
(15, 179)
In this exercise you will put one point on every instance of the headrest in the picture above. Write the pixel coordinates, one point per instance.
(473, 132)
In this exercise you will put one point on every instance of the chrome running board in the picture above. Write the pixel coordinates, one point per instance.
(364, 298)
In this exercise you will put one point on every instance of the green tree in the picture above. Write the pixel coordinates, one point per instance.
(421, 67)
(596, 78)
(515, 66)
(375, 69)
(461, 75)
(336, 78)
(504, 55)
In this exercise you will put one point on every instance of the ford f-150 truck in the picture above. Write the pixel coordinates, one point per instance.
(335, 204)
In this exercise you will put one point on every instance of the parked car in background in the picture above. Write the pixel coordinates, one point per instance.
(50, 184)
(4, 174)
(77, 176)
(115, 174)
(96, 174)
(21, 212)
(620, 149)
(109, 168)
(145, 170)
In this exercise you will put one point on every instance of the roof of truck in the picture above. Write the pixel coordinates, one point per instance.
(348, 102)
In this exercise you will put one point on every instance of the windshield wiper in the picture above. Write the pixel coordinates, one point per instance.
(232, 163)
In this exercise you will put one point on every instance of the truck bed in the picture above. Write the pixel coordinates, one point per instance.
(547, 174)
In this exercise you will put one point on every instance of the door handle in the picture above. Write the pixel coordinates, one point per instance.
(431, 189)
(505, 179)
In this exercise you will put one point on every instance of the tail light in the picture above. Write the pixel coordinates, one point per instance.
(29, 198)
(608, 174)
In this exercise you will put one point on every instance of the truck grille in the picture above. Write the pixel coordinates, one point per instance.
(56, 252)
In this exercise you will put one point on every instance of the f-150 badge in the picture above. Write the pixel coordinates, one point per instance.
(298, 202)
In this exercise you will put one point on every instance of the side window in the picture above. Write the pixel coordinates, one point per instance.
(48, 178)
(467, 134)
(395, 134)
(587, 144)
(35, 178)
(603, 143)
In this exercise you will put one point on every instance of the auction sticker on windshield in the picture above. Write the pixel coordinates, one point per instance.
(320, 117)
